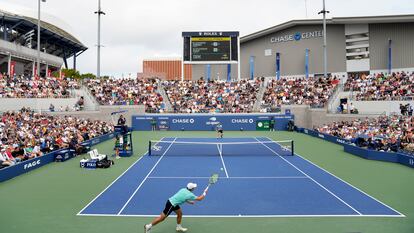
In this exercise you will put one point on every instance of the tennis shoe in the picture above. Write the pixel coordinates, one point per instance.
(147, 228)
(181, 229)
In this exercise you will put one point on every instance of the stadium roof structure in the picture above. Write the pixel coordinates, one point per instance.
(335, 20)
(57, 41)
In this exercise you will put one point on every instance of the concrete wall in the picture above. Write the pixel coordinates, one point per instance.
(104, 113)
(402, 36)
(309, 118)
(217, 72)
(387, 107)
(7, 104)
(292, 58)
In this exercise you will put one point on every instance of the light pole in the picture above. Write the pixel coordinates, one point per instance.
(38, 38)
(325, 59)
(99, 12)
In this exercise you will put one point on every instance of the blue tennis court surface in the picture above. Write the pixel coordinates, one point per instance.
(256, 179)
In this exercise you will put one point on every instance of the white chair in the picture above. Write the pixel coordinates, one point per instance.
(97, 155)
(92, 155)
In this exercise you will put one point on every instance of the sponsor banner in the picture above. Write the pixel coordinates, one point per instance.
(26, 166)
(12, 68)
(326, 137)
(208, 122)
(89, 164)
(263, 125)
(277, 66)
(63, 155)
(372, 154)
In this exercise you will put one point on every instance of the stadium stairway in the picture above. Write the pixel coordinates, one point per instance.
(260, 94)
(90, 101)
(168, 106)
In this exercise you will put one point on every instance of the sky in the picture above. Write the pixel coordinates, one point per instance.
(134, 30)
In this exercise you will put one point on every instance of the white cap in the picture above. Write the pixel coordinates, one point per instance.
(191, 185)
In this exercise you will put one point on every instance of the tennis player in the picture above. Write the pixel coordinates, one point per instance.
(219, 129)
(173, 204)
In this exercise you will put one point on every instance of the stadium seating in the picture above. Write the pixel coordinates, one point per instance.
(30, 87)
(299, 91)
(26, 134)
(397, 86)
(384, 133)
(212, 96)
(128, 92)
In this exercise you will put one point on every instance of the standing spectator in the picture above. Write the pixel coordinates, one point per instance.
(153, 124)
(272, 124)
(52, 107)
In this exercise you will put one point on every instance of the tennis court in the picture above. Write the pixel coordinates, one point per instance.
(258, 178)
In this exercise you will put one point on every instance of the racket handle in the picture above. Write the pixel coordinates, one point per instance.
(205, 190)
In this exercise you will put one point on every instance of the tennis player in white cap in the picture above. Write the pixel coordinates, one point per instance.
(173, 204)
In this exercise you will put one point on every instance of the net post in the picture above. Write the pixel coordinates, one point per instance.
(293, 148)
(149, 147)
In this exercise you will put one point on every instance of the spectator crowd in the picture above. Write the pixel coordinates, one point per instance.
(385, 133)
(314, 91)
(31, 87)
(217, 96)
(396, 86)
(25, 134)
(128, 92)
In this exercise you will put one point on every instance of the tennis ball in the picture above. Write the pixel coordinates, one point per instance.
(239, 214)
(221, 169)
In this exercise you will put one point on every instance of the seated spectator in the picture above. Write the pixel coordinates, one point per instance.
(30, 87)
(300, 91)
(385, 133)
(396, 86)
(128, 92)
(28, 135)
(217, 96)
(4, 160)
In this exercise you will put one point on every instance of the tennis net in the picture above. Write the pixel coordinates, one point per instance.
(193, 148)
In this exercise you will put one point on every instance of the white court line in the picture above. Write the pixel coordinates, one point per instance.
(112, 182)
(248, 216)
(402, 215)
(222, 160)
(316, 182)
(233, 177)
(136, 190)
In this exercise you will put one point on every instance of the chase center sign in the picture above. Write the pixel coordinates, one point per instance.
(296, 37)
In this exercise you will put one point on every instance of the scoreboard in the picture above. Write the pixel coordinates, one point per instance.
(210, 48)
(216, 47)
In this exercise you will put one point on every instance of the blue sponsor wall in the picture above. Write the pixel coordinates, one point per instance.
(29, 165)
(207, 122)
(404, 159)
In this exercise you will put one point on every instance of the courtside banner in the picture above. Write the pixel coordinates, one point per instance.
(26, 166)
(29, 165)
(402, 158)
(208, 122)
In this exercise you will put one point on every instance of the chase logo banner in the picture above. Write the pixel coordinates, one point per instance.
(297, 36)
(209, 122)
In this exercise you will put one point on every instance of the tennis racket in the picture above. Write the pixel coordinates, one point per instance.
(212, 180)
